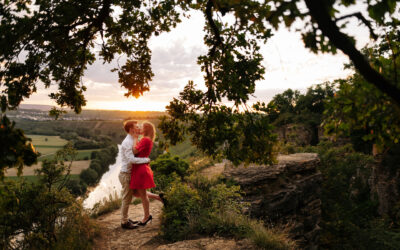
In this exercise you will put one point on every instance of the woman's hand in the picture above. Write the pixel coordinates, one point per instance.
(134, 150)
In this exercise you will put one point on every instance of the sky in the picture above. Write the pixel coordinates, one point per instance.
(287, 62)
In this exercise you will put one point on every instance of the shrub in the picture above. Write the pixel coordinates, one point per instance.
(94, 155)
(167, 169)
(76, 187)
(208, 207)
(349, 213)
(96, 166)
(166, 164)
(89, 176)
(43, 214)
(183, 203)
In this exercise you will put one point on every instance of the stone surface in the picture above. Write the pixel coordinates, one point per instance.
(385, 186)
(287, 193)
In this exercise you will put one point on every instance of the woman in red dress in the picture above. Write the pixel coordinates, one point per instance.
(142, 175)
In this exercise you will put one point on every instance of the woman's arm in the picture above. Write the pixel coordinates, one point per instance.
(137, 147)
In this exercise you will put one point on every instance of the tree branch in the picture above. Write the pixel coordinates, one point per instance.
(210, 20)
(329, 28)
(362, 19)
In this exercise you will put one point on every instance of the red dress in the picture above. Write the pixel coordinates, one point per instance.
(142, 175)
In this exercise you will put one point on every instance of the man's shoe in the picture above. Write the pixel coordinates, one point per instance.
(163, 200)
(128, 225)
(133, 221)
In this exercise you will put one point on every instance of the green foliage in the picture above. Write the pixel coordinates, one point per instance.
(167, 169)
(292, 107)
(349, 212)
(16, 149)
(239, 137)
(76, 187)
(166, 165)
(362, 111)
(89, 176)
(43, 215)
(206, 207)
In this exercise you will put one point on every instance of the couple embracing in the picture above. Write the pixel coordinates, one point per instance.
(136, 175)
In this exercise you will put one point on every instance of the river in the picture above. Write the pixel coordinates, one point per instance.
(109, 184)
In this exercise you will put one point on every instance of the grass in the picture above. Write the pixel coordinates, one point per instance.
(240, 226)
(46, 140)
(184, 150)
(35, 178)
(47, 145)
(106, 206)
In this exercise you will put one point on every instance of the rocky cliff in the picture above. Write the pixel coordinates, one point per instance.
(285, 193)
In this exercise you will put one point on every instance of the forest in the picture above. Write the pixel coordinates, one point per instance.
(350, 126)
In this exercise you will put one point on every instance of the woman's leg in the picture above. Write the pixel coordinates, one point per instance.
(135, 193)
(145, 202)
(153, 196)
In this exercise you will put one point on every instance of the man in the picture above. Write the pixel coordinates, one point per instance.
(128, 159)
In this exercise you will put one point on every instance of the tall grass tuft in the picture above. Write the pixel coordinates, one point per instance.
(106, 206)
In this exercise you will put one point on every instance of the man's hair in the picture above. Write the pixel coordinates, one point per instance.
(128, 125)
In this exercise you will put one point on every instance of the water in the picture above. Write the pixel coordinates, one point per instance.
(108, 185)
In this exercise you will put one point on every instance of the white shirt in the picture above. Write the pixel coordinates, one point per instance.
(128, 158)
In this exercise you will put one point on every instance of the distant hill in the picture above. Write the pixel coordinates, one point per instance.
(40, 107)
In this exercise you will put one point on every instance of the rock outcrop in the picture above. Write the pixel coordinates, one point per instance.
(285, 193)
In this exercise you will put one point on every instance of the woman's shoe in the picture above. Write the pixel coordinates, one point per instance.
(150, 218)
(163, 200)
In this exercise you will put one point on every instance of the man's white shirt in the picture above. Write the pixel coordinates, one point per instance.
(128, 158)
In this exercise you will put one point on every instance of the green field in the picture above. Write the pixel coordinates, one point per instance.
(184, 149)
(34, 178)
(81, 155)
(48, 145)
(45, 140)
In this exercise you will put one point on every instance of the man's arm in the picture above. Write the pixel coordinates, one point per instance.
(127, 151)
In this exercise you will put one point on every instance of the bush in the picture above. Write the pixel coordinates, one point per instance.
(349, 213)
(76, 187)
(167, 169)
(89, 176)
(96, 166)
(94, 155)
(206, 207)
(166, 164)
(43, 214)
(183, 204)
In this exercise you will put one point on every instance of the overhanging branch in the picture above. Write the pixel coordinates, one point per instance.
(321, 16)
(362, 19)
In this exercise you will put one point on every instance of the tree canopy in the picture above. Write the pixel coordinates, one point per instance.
(54, 41)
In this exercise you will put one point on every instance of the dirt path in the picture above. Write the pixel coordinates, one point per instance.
(114, 237)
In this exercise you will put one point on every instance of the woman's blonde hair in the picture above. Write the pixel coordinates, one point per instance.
(149, 130)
